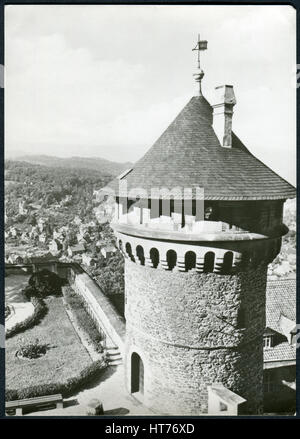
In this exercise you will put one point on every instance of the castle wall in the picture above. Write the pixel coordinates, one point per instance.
(101, 310)
(192, 330)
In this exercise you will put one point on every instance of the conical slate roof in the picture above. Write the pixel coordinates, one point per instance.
(188, 154)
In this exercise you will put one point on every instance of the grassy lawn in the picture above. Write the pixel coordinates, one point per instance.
(65, 359)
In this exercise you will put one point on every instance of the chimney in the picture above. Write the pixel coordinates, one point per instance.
(222, 115)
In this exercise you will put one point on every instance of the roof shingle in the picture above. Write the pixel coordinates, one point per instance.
(281, 301)
(188, 154)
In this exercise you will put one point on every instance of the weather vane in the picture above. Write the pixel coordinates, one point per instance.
(201, 45)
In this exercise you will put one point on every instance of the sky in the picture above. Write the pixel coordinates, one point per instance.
(106, 80)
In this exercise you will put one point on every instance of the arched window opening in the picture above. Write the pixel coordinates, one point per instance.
(137, 374)
(129, 251)
(154, 256)
(140, 254)
(171, 259)
(120, 245)
(190, 260)
(209, 262)
(227, 263)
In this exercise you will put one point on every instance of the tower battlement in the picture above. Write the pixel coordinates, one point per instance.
(224, 237)
(203, 257)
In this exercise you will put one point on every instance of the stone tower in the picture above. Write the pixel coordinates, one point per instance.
(198, 219)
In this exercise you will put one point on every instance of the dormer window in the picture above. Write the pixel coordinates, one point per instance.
(269, 338)
(268, 341)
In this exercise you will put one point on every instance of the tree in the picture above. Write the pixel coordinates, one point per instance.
(44, 283)
(111, 275)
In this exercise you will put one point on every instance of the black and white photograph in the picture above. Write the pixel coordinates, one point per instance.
(150, 211)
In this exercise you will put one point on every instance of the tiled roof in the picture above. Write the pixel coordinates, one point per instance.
(281, 301)
(269, 331)
(188, 154)
(280, 352)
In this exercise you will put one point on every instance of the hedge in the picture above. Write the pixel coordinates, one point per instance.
(78, 307)
(67, 389)
(40, 310)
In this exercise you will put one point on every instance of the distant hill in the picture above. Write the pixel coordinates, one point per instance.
(95, 163)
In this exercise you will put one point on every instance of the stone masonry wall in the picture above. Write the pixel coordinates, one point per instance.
(192, 330)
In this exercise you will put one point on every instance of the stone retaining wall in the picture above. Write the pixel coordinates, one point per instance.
(99, 307)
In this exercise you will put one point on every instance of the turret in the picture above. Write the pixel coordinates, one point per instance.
(198, 219)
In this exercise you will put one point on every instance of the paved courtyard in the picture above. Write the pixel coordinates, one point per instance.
(110, 391)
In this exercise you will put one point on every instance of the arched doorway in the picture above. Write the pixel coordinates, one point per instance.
(137, 374)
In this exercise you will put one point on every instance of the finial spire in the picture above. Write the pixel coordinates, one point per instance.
(201, 45)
